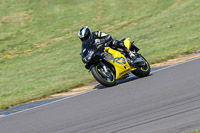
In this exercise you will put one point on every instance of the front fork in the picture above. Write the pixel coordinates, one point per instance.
(104, 67)
(102, 64)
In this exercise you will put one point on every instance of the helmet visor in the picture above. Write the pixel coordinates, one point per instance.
(85, 38)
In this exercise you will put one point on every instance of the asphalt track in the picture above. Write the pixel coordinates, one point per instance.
(167, 101)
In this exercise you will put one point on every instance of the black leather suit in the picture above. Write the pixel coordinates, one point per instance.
(104, 38)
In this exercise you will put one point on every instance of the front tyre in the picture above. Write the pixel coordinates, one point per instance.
(142, 70)
(105, 78)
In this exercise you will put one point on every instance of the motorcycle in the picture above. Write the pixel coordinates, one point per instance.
(108, 65)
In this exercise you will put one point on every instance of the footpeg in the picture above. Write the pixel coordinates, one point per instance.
(130, 62)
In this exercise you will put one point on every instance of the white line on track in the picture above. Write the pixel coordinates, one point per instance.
(176, 64)
(47, 103)
(94, 89)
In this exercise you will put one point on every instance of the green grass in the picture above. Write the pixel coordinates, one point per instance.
(39, 47)
(196, 131)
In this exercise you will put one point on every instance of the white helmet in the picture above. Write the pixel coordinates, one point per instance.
(85, 33)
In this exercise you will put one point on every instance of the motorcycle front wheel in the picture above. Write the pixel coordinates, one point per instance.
(105, 78)
(142, 70)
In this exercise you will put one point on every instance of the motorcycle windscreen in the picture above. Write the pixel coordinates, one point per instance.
(86, 46)
(87, 51)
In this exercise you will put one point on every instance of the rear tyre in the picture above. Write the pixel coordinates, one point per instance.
(107, 79)
(142, 70)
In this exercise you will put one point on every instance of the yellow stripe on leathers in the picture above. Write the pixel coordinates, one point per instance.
(99, 34)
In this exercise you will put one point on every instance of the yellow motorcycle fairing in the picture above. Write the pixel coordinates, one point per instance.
(118, 60)
(127, 43)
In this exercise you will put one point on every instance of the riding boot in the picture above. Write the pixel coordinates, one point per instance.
(120, 44)
(129, 53)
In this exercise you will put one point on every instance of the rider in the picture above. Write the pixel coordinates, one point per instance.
(101, 38)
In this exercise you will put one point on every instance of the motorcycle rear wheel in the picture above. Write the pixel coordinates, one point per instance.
(103, 78)
(142, 71)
